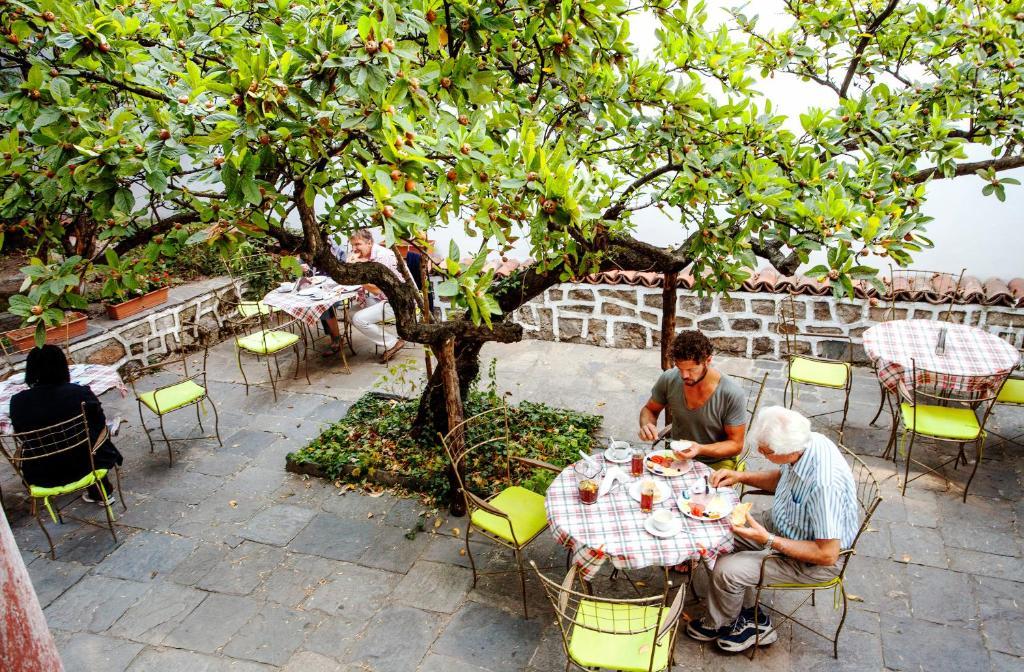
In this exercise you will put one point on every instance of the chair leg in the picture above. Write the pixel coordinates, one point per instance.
(522, 582)
(216, 421)
(238, 356)
(199, 418)
(881, 404)
(120, 492)
(39, 519)
(787, 394)
(270, 373)
(170, 450)
(469, 553)
(106, 509)
(906, 469)
(142, 421)
(842, 620)
(846, 406)
(979, 450)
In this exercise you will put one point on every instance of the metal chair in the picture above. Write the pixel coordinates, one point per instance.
(637, 635)
(915, 284)
(514, 517)
(950, 414)
(1012, 394)
(261, 340)
(176, 396)
(62, 438)
(252, 275)
(868, 497)
(806, 369)
(755, 390)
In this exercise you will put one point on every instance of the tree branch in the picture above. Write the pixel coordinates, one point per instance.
(862, 46)
(143, 236)
(613, 212)
(1000, 164)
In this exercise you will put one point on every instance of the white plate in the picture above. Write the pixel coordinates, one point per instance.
(663, 491)
(682, 467)
(684, 506)
(613, 460)
(317, 279)
(285, 288)
(309, 291)
(673, 530)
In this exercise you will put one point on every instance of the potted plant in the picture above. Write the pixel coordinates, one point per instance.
(131, 287)
(43, 309)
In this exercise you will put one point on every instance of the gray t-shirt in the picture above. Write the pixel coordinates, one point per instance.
(727, 405)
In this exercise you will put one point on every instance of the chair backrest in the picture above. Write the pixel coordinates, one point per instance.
(459, 450)
(755, 390)
(611, 616)
(204, 337)
(257, 271)
(789, 315)
(66, 436)
(937, 287)
(940, 388)
(869, 496)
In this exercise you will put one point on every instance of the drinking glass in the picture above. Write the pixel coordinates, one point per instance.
(636, 462)
(647, 489)
(586, 480)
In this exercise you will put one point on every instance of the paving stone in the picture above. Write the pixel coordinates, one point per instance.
(405, 514)
(90, 545)
(50, 578)
(451, 550)
(332, 411)
(1002, 614)
(331, 536)
(146, 556)
(175, 660)
(248, 442)
(93, 604)
(200, 563)
(153, 513)
(221, 464)
(85, 652)
(969, 535)
(357, 506)
(434, 587)
(393, 551)
(220, 518)
(241, 570)
(212, 624)
(918, 545)
(334, 636)
(255, 481)
(1003, 662)
(277, 525)
(942, 596)
(377, 649)
(438, 663)
(296, 579)
(354, 592)
(308, 661)
(157, 612)
(881, 584)
(272, 635)
(189, 488)
(876, 541)
(549, 654)
(478, 632)
(911, 644)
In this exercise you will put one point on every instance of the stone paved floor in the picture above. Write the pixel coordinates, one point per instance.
(227, 562)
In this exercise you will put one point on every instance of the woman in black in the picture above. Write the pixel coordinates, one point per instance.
(50, 399)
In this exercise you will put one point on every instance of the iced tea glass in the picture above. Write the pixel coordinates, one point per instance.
(587, 480)
(636, 462)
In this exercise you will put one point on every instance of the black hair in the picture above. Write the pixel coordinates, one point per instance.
(691, 346)
(46, 366)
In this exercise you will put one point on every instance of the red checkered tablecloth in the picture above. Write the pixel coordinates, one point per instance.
(613, 527)
(310, 308)
(97, 377)
(970, 355)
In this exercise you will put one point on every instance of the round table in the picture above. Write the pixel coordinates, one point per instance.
(612, 529)
(310, 308)
(970, 357)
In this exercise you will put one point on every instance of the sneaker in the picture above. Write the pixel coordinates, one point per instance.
(89, 498)
(704, 633)
(744, 632)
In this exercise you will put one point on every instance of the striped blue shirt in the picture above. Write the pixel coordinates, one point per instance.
(816, 497)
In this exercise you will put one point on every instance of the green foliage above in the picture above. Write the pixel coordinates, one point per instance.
(153, 123)
(375, 436)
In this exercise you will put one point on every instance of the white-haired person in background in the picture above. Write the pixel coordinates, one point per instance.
(814, 515)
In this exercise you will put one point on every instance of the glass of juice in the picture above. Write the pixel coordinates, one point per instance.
(636, 462)
(647, 490)
(586, 481)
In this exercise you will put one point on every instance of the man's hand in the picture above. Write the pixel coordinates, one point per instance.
(691, 451)
(725, 478)
(648, 432)
(754, 531)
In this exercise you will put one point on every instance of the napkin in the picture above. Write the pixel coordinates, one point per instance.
(613, 474)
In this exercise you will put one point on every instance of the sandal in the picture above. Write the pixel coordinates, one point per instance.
(332, 351)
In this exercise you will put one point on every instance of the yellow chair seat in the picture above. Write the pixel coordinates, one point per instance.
(813, 372)
(525, 510)
(267, 342)
(1012, 392)
(612, 650)
(735, 463)
(57, 490)
(173, 397)
(942, 422)
(253, 308)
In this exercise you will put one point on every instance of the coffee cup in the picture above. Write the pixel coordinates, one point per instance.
(661, 519)
(619, 450)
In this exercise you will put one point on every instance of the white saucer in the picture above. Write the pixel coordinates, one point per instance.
(309, 291)
(663, 491)
(676, 528)
(608, 456)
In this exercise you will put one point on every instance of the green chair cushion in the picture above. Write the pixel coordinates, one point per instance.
(267, 342)
(813, 372)
(1012, 392)
(942, 422)
(253, 308)
(525, 510)
(57, 490)
(613, 650)
(173, 397)
(735, 463)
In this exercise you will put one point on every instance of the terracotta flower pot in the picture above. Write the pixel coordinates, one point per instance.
(74, 325)
(119, 311)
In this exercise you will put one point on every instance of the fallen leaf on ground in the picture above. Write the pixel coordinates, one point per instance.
(905, 558)
(233, 504)
(377, 494)
(854, 598)
(369, 514)
(455, 531)
(437, 523)
(462, 551)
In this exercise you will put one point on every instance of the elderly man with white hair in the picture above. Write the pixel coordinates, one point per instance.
(814, 515)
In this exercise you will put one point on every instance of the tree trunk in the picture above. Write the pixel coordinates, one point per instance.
(668, 318)
(448, 369)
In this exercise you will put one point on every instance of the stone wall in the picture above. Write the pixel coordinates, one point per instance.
(744, 323)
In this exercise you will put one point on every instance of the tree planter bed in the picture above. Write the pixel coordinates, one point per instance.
(73, 326)
(119, 311)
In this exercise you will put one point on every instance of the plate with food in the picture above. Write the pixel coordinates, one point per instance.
(661, 489)
(705, 508)
(664, 463)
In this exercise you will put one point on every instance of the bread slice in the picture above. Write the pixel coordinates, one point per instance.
(739, 514)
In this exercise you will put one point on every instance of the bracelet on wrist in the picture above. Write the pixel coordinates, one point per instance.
(769, 542)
